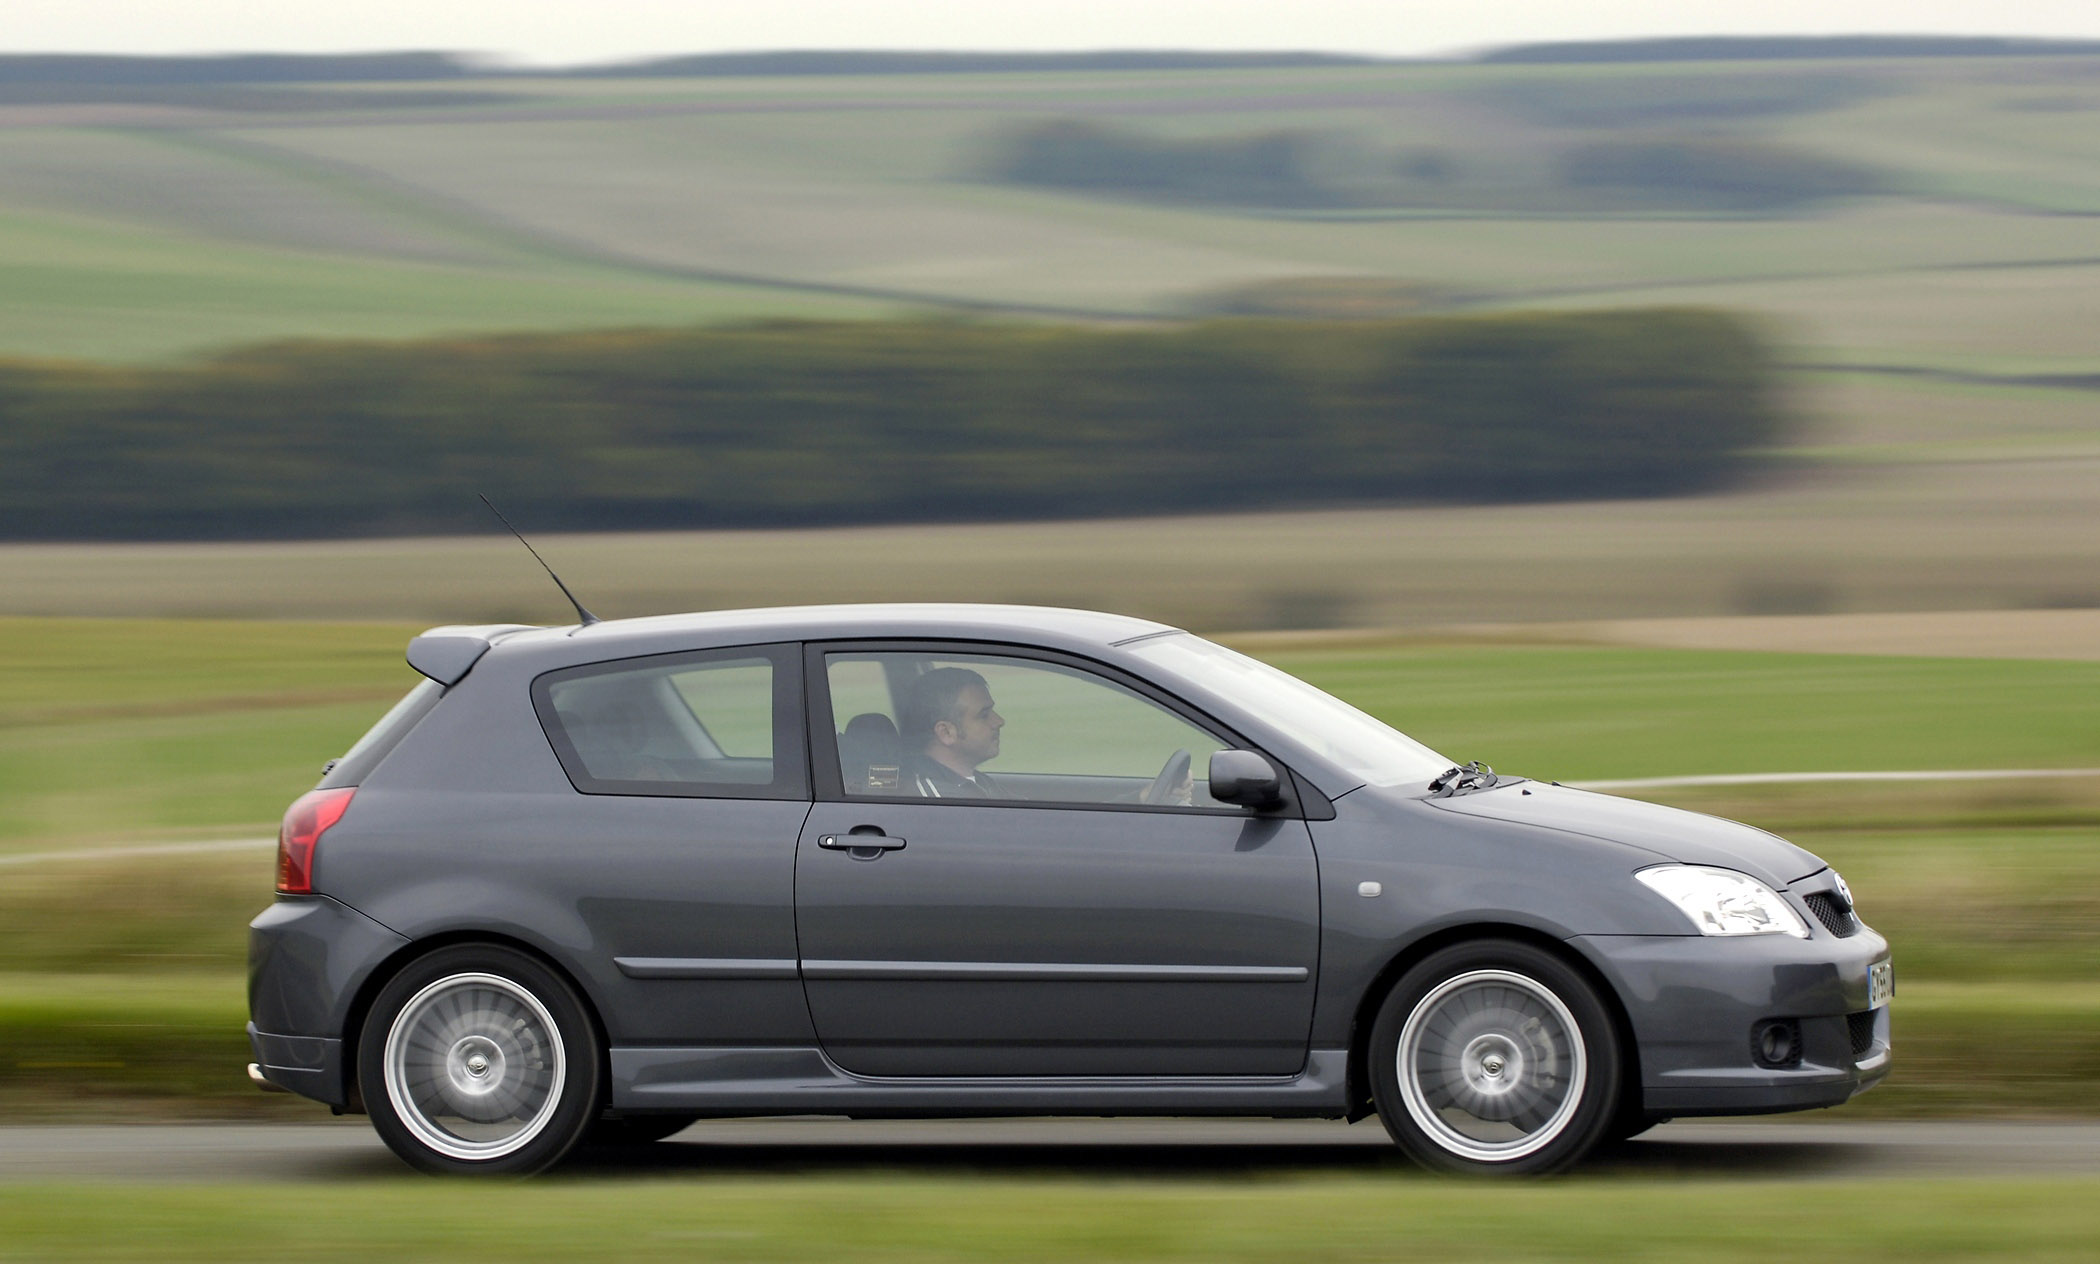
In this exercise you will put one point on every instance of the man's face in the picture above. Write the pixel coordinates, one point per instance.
(972, 735)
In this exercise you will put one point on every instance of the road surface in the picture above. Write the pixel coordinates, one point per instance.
(1122, 1148)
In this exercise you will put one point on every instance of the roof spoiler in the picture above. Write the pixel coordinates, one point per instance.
(446, 654)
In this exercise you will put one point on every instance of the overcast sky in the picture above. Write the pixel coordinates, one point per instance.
(575, 31)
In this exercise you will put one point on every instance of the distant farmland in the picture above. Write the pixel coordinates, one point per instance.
(141, 230)
(1907, 215)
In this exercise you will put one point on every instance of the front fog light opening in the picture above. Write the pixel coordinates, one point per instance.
(1775, 1044)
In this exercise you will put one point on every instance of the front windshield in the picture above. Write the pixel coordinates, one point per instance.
(1320, 722)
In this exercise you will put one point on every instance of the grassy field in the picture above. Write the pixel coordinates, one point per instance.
(1574, 713)
(1325, 1216)
(117, 729)
(120, 729)
(121, 977)
(124, 992)
(93, 288)
(871, 184)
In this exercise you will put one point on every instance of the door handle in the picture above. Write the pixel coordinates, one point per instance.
(859, 842)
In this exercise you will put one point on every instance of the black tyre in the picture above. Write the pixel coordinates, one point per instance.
(1631, 1124)
(636, 1130)
(478, 1058)
(1495, 1056)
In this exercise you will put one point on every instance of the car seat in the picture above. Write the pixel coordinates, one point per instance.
(870, 754)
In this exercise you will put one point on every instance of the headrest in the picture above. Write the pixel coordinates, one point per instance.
(870, 726)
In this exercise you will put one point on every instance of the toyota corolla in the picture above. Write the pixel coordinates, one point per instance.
(600, 881)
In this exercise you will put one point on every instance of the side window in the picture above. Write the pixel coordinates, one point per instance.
(970, 726)
(714, 725)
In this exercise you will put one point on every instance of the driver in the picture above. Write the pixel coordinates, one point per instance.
(949, 728)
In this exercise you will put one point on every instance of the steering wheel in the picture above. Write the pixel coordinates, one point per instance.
(1166, 787)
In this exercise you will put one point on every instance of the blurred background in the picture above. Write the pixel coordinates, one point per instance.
(1648, 412)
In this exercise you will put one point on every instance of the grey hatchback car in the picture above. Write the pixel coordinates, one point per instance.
(596, 882)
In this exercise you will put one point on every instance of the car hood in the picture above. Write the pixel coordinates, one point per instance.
(1672, 833)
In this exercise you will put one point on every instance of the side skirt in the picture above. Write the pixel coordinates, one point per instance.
(727, 1082)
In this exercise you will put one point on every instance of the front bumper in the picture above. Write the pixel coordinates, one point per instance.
(1695, 1001)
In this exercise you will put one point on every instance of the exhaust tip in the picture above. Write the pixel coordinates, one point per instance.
(263, 1082)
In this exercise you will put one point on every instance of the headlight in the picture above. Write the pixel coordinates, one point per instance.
(1724, 902)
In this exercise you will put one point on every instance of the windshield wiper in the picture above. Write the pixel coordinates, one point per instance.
(1473, 776)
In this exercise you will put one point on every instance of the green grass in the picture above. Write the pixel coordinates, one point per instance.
(114, 730)
(174, 775)
(86, 670)
(121, 980)
(1996, 1048)
(1979, 907)
(1963, 906)
(181, 916)
(121, 977)
(96, 1048)
(1293, 1217)
(1576, 713)
(92, 289)
(921, 225)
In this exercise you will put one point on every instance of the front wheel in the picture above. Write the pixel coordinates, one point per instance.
(479, 1059)
(1495, 1056)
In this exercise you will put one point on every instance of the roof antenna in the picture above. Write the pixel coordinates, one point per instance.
(583, 616)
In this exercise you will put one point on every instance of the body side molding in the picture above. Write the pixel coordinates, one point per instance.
(795, 1081)
(1051, 972)
(706, 967)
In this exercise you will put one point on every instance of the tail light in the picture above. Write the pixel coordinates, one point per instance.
(304, 822)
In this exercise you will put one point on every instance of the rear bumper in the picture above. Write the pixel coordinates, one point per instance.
(1694, 1001)
(311, 1066)
(307, 958)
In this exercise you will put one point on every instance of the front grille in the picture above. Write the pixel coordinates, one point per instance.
(1861, 1027)
(1835, 916)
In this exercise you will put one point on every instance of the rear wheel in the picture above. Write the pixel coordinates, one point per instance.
(479, 1059)
(1495, 1056)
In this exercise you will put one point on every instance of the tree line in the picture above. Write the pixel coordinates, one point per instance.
(857, 422)
(1299, 170)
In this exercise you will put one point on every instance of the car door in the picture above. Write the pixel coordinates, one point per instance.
(676, 859)
(1041, 917)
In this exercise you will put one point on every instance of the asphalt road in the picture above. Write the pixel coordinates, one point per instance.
(1150, 1148)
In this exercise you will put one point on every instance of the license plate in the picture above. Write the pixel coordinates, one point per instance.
(1881, 984)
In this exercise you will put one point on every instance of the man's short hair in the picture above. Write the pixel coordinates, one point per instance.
(932, 698)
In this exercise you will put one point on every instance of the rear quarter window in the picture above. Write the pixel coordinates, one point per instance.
(718, 724)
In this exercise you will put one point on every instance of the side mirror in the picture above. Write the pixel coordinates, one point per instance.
(1245, 778)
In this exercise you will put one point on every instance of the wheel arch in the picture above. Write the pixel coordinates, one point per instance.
(1358, 1078)
(360, 1009)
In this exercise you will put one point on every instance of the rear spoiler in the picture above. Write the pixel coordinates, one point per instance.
(446, 654)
